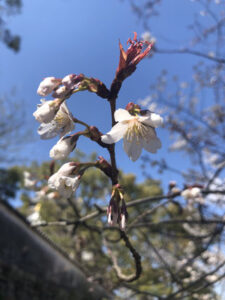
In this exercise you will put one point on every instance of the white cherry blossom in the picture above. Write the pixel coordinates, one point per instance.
(48, 85)
(63, 148)
(191, 193)
(46, 111)
(147, 36)
(29, 180)
(60, 125)
(87, 255)
(65, 185)
(137, 132)
(35, 217)
(64, 181)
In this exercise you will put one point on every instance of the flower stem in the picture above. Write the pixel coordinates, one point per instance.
(75, 120)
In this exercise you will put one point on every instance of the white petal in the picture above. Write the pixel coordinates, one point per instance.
(48, 130)
(132, 148)
(64, 108)
(66, 169)
(67, 128)
(53, 181)
(115, 134)
(122, 115)
(152, 119)
(62, 149)
(152, 145)
(72, 181)
(65, 191)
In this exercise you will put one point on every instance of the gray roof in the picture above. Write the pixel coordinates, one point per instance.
(27, 256)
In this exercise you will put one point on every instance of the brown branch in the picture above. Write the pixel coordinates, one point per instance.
(133, 203)
(188, 51)
(136, 256)
(172, 296)
(205, 222)
(166, 265)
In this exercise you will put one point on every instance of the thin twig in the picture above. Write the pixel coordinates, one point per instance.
(136, 256)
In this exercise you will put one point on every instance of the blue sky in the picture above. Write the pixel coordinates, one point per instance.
(60, 37)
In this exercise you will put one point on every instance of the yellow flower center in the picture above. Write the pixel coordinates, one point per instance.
(136, 130)
(61, 119)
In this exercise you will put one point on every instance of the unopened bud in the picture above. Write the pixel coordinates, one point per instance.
(95, 134)
(48, 85)
(133, 108)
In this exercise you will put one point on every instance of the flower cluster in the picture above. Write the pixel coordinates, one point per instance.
(137, 127)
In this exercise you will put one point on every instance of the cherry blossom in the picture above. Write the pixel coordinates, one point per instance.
(63, 147)
(60, 125)
(29, 180)
(65, 181)
(47, 110)
(137, 132)
(48, 85)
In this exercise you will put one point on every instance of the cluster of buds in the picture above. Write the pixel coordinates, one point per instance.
(117, 212)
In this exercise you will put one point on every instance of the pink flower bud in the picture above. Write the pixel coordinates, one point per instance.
(48, 85)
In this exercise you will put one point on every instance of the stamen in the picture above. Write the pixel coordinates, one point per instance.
(136, 131)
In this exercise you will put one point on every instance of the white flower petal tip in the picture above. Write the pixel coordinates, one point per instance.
(157, 120)
(122, 115)
(152, 119)
(115, 134)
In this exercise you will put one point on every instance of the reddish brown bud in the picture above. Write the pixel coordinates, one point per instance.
(105, 166)
(95, 134)
(133, 108)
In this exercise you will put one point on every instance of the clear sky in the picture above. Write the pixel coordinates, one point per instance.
(60, 37)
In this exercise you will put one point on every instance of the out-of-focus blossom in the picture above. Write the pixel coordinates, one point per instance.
(203, 13)
(48, 85)
(39, 195)
(147, 36)
(47, 110)
(152, 105)
(60, 125)
(87, 255)
(29, 180)
(65, 181)
(63, 147)
(52, 195)
(137, 132)
(173, 189)
(179, 144)
(211, 278)
(192, 192)
(211, 54)
(184, 85)
(35, 218)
